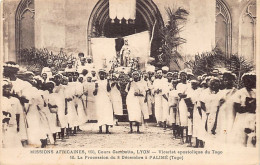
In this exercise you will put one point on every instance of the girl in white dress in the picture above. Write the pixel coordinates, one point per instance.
(103, 103)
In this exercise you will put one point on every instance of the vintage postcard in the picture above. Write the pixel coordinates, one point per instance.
(129, 82)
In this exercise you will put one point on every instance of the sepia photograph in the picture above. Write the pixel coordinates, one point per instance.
(164, 80)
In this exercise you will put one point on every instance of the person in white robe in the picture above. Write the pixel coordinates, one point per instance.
(50, 109)
(59, 90)
(38, 127)
(191, 100)
(104, 106)
(244, 128)
(134, 107)
(226, 115)
(10, 134)
(79, 103)
(70, 108)
(211, 100)
(166, 108)
(115, 96)
(183, 110)
(89, 88)
(158, 85)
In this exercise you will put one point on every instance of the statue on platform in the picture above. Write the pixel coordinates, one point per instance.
(125, 54)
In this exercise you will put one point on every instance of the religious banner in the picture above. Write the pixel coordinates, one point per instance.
(119, 9)
(103, 51)
(139, 46)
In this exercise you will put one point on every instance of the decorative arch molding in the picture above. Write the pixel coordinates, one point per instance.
(24, 7)
(248, 16)
(222, 9)
(100, 16)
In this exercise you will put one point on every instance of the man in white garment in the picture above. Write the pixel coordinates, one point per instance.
(159, 84)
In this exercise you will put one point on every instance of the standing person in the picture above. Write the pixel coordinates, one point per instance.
(158, 84)
(103, 104)
(53, 105)
(10, 127)
(183, 111)
(59, 90)
(116, 97)
(89, 88)
(70, 109)
(211, 100)
(79, 105)
(244, 127)
(150, 91)
(226, 115)
(133, 102)
(173, 107)
(166, 90)
(191, 100)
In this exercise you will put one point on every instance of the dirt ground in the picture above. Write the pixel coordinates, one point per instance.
(151, 137)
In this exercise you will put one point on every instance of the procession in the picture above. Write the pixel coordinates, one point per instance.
(200, 111)
(129, 74)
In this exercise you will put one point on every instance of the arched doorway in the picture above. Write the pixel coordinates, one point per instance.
(146, 15)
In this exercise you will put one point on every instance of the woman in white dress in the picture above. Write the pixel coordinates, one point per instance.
(10, 138)
(38, 127)
(133, 102)
(59, 89)
(226, 115)
(103, 103)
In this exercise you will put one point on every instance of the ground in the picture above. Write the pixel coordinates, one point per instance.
(151, 137)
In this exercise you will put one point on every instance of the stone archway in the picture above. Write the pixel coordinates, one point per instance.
(100, 16)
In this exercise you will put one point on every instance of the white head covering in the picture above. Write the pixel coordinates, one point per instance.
(165, 68)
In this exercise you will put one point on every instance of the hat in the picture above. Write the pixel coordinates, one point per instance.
(102, 71)
(193, 81)
(169, 74)
(252, 73)
(159, 71)
(137, 73)
(165, 68)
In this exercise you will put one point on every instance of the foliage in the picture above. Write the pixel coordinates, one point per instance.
(204, 63)
(35, 59)
(170, 35)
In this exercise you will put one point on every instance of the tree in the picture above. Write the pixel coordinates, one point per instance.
(170, 35)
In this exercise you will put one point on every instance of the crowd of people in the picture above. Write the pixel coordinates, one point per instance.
(200, 110)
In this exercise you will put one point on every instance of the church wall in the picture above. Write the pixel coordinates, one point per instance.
(9, 7)
(63, 24)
